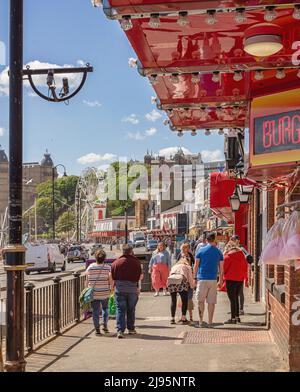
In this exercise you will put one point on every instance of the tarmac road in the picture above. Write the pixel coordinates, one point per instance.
(42, 277)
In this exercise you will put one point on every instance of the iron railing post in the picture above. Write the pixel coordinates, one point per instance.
(76, 295)
(29, 316)
(57, 305)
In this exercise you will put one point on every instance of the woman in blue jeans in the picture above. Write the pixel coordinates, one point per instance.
(99, 278)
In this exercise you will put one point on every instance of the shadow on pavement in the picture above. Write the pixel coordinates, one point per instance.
(63, 354)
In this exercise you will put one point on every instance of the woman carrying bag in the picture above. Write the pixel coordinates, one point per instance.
(235, 272)
(98, 278)
(187, 254)
(180, 281)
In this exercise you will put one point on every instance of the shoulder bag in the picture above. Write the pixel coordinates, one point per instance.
(86, 296)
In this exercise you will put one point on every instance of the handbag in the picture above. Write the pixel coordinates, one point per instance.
(86, 296)
(174, 279)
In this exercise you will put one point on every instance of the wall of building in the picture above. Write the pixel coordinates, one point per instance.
(282, 291)
(3, 187)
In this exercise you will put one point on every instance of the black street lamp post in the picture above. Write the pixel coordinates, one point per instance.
(53, 197)
(15, 252)
(126, 224)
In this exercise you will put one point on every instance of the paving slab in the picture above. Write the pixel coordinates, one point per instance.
(160, 346)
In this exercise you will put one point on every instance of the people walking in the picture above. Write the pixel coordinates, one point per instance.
(98, 277)
(126, 273)
(235, 273)
(209, 262)
(159, 268)
(180, 281)
(186, 253)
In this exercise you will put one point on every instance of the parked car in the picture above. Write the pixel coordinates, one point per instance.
(94, 248)
(151, 245)
(139, 242)
(44, 257)
(75, 253)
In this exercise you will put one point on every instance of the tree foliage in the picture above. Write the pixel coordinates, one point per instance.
(64, 199)
(66, 222)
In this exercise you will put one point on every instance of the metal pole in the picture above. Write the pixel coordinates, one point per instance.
(77, 213)
(35, 221)
(15, 251)
(79, 219)
(29, 226)
(68, 224)
(53, 206)
(126, 225)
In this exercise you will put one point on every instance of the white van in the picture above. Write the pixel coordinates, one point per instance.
(44, 257)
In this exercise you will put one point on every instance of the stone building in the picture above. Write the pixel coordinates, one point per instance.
(3, 182)
(34, 173)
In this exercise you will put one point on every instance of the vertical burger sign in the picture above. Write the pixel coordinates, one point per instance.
(275, 130)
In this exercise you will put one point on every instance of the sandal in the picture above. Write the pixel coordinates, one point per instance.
(230, 321)
(181, 321)
(172, 321)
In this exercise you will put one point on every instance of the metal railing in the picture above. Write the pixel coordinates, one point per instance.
(49, 310)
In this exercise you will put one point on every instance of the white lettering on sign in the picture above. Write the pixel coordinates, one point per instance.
(296, 314)
(296, 55)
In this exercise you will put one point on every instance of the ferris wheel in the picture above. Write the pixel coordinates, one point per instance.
(90, 191)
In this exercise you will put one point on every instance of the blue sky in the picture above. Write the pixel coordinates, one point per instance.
(112, 115)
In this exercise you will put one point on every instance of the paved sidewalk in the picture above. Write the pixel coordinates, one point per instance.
(161, 346)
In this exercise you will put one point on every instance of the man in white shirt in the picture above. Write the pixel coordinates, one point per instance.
(201, 244)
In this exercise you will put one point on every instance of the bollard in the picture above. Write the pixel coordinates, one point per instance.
(29, 315)
(76, 296)
(57, 296)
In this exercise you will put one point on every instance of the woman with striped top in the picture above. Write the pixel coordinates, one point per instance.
(99, 279)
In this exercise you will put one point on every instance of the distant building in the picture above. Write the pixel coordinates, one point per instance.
(34, 173)
(111, 229)
(3, 181)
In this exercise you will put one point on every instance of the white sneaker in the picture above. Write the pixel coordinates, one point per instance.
(165, 292)
(156, 294)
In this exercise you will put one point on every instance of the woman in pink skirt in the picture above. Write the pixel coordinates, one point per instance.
(159, 268)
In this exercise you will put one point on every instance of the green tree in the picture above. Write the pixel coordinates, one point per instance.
(66, 222)
(64, 198)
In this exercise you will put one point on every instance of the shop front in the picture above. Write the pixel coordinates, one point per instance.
(273, 215)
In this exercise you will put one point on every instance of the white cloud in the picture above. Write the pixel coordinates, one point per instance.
(153, 116)
(92, 104)
(151, 131)
(32, 94)
(40, 80)
(171, 151)
(212, 156)
(81, 63)
(4, 82)
(104, 167)
(2, 131)
(136, 136)
(142, 136)
(131, 119)
(93, 158)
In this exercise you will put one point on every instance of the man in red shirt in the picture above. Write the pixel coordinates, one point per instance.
(126, 273)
